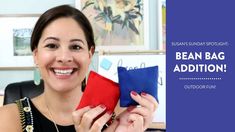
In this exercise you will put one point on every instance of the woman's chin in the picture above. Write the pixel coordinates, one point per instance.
(63, 87)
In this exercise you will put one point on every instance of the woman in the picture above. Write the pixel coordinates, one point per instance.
(62, 43)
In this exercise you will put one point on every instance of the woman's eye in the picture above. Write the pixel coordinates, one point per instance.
(51, 46)
(75, 47)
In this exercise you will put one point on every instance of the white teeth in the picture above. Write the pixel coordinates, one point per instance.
(63, 72)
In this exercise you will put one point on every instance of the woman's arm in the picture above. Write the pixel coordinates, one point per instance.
(9, 118)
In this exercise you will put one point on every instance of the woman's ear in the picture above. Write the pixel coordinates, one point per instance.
(35, 56)
(91, 52)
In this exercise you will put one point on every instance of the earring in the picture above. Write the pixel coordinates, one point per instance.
(36, 76)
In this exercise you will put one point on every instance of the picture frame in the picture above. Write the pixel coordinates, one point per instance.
(118, 29)
(163, 24)
(15, 41)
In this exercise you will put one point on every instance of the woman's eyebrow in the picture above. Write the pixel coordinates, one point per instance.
(72, 40)
(54, 38)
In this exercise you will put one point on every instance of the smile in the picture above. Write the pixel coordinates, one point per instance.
(64, 72)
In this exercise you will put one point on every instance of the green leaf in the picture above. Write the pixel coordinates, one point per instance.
(132, 16)
(138, 13)
(100, 16)
(125, 22)
(133, 28)
(117, 19)
(87, 4)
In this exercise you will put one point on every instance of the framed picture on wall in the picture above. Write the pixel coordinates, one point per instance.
(164, 24)
(118, 24)
(15, 41)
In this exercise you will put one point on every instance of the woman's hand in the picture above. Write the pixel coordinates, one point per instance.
(87, 119)
(148, 105)
(127, 122)
(136, 119)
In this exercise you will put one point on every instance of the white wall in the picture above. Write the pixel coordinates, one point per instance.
(30, 6)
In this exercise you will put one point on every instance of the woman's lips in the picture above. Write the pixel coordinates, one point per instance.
(63, 73)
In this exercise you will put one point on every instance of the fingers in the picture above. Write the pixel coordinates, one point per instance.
(99, 123)
(151, 99)
(89, 116)
(77, 115)
(136, 121)
(148, 105)
(83, 118)
(145, 113)
(129, 122)
(145, 100)
(89, 119)
(113, 126)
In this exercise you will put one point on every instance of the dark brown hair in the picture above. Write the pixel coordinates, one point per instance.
(58, 12)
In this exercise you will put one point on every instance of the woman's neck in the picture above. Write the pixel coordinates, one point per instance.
(59, 104)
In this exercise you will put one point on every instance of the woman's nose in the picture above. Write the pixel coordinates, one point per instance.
(64, 56)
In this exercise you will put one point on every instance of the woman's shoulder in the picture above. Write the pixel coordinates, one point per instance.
(9, 110)
(10, 118)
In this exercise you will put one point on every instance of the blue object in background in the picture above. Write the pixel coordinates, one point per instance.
(138, 80)
(106, 64)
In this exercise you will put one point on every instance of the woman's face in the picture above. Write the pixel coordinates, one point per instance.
(62, 55)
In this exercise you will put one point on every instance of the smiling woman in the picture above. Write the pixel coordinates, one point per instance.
(62, 43)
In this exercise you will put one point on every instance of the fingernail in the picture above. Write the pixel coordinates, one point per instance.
(102, 106)
(133, 93)
(143, 93)
(129, 109)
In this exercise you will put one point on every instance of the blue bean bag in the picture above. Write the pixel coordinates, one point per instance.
(138, 80)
